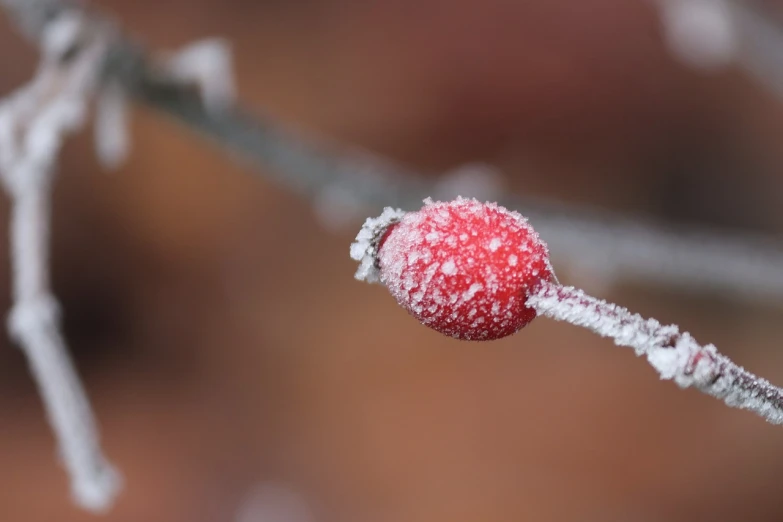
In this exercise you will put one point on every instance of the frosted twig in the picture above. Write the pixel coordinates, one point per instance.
(33, 122)
(740, 265)
(674, 354)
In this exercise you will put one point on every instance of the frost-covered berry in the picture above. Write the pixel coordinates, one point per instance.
(463, 268)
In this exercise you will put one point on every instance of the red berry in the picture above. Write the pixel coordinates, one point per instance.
(464, 268)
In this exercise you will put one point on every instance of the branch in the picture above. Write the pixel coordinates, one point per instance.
(33, 123)
(676, 356)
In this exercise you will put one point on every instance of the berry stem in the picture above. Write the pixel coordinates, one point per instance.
(674, 354)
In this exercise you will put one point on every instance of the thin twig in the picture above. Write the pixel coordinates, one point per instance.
(33, 123)
(674, 354)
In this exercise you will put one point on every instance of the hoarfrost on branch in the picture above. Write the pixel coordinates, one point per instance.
(33, 123)
(674, 354)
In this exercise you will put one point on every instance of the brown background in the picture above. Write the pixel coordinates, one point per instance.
(225, 343)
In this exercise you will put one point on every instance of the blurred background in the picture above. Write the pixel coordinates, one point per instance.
(234, 363)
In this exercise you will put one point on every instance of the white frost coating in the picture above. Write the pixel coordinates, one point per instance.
(471, 291)
(449, 267)
(208, 64)
(365, 246)
(495, 244)
(674, 354)
(33, 123)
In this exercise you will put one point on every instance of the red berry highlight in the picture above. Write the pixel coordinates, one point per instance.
(463, 268)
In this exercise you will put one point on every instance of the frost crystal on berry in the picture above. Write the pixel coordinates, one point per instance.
(463, 268)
